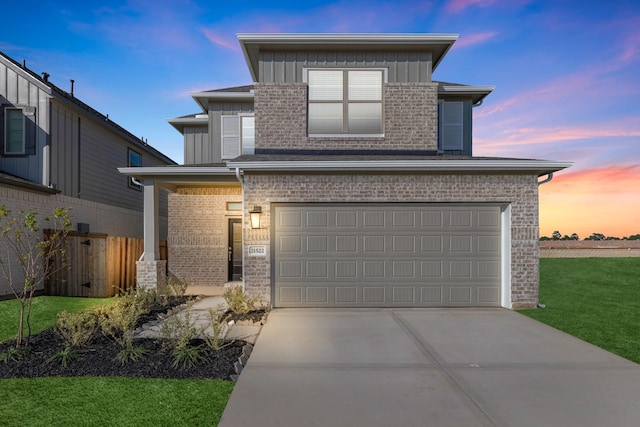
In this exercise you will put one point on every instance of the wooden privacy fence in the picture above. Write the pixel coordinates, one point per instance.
(98, 265)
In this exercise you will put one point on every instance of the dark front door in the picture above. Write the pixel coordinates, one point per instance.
(235, 249)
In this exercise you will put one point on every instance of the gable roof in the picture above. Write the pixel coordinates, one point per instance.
(252, 44)
(53, 90)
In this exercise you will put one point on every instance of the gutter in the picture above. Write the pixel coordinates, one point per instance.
(542, 167)
(547, 179)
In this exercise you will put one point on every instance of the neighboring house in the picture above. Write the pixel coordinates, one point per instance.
(344, 177)
(56, 151)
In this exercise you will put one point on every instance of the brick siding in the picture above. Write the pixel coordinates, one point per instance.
(198, 233)
(520, 191)
(410, 119)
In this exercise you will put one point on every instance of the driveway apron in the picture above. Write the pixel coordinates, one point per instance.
(428, 367)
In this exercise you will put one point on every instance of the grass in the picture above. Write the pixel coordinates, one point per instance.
(43, 312)
(88, 401)
(594, 299)
(101, 401)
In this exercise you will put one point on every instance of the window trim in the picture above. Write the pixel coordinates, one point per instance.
(23, 151)
(132, 182)
(346, 102)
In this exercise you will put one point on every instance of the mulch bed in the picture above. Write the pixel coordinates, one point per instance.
(98, 359)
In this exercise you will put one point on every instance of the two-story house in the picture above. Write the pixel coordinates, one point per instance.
(57, 151)
(344, 177)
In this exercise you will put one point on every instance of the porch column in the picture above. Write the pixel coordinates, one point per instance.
(151, 271)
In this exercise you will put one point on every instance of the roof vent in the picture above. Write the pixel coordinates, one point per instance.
(45, 76)
(72, 82)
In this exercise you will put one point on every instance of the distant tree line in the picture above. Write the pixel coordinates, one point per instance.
(556, 235)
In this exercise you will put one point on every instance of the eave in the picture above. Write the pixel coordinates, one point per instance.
(203, 98)
(252, 44)
(477, 93)
(539, 167)
(181, 122)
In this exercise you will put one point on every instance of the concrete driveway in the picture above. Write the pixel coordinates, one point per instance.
(428, 367)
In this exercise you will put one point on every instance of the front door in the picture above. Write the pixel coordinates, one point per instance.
(235, 249)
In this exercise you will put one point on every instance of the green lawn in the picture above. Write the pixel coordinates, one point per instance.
(43, 312)
(594, 299)
(87, 401)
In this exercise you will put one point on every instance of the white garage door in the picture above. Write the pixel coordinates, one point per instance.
(386, 255)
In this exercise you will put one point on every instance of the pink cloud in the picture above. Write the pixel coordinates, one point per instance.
(471, 39)
(552, 135)
(220, 41)
(456, 6)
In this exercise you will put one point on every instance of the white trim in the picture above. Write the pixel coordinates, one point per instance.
(505, 255)
(159, 171)
(346, 135)
(346, 38)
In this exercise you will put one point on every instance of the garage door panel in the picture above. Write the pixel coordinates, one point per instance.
(387, 255)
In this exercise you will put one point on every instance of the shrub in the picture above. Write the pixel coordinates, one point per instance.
(186, 356)
(118, 322)
(76, 329)
(177, 328)
(65, 356)
(239, 302)
(221, 326)
(173, 288)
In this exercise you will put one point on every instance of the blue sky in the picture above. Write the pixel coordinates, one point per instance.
(567, 75)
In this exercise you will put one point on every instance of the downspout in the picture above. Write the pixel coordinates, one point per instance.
(241, 180)
(544, 181)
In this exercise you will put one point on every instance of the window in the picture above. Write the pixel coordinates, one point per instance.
(450, 131)
(234, 206)
(238, 135)
(345, 102)
(14, 125)
(135, 160)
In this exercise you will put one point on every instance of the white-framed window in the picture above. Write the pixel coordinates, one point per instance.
(345, 102)
(238, 135)
(135, 160)
(14, 131)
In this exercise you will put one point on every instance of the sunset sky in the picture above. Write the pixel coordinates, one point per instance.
(567, 75)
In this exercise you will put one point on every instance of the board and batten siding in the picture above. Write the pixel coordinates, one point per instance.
(65, 149)
(197, 145)
(17, 90)
(403, 67)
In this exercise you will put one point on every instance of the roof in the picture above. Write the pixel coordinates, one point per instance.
(16, 181)
(252, 44)
(347, 163)
(70, 98)
(230, 94)
(390, 163)
(477, 93)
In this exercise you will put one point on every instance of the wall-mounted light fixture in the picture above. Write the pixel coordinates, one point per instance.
(255, 213)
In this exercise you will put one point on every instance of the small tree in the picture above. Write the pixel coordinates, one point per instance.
(556, 235)
(35, 252)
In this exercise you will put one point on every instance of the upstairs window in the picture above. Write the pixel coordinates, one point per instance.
(345, 102)
(135, 160)
(238, 135)
(14, 129)
(451, 126)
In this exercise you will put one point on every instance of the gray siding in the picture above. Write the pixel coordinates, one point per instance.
(102, 152)
(403, 67)
(65, 149)
(197, 145)
(19, 91)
